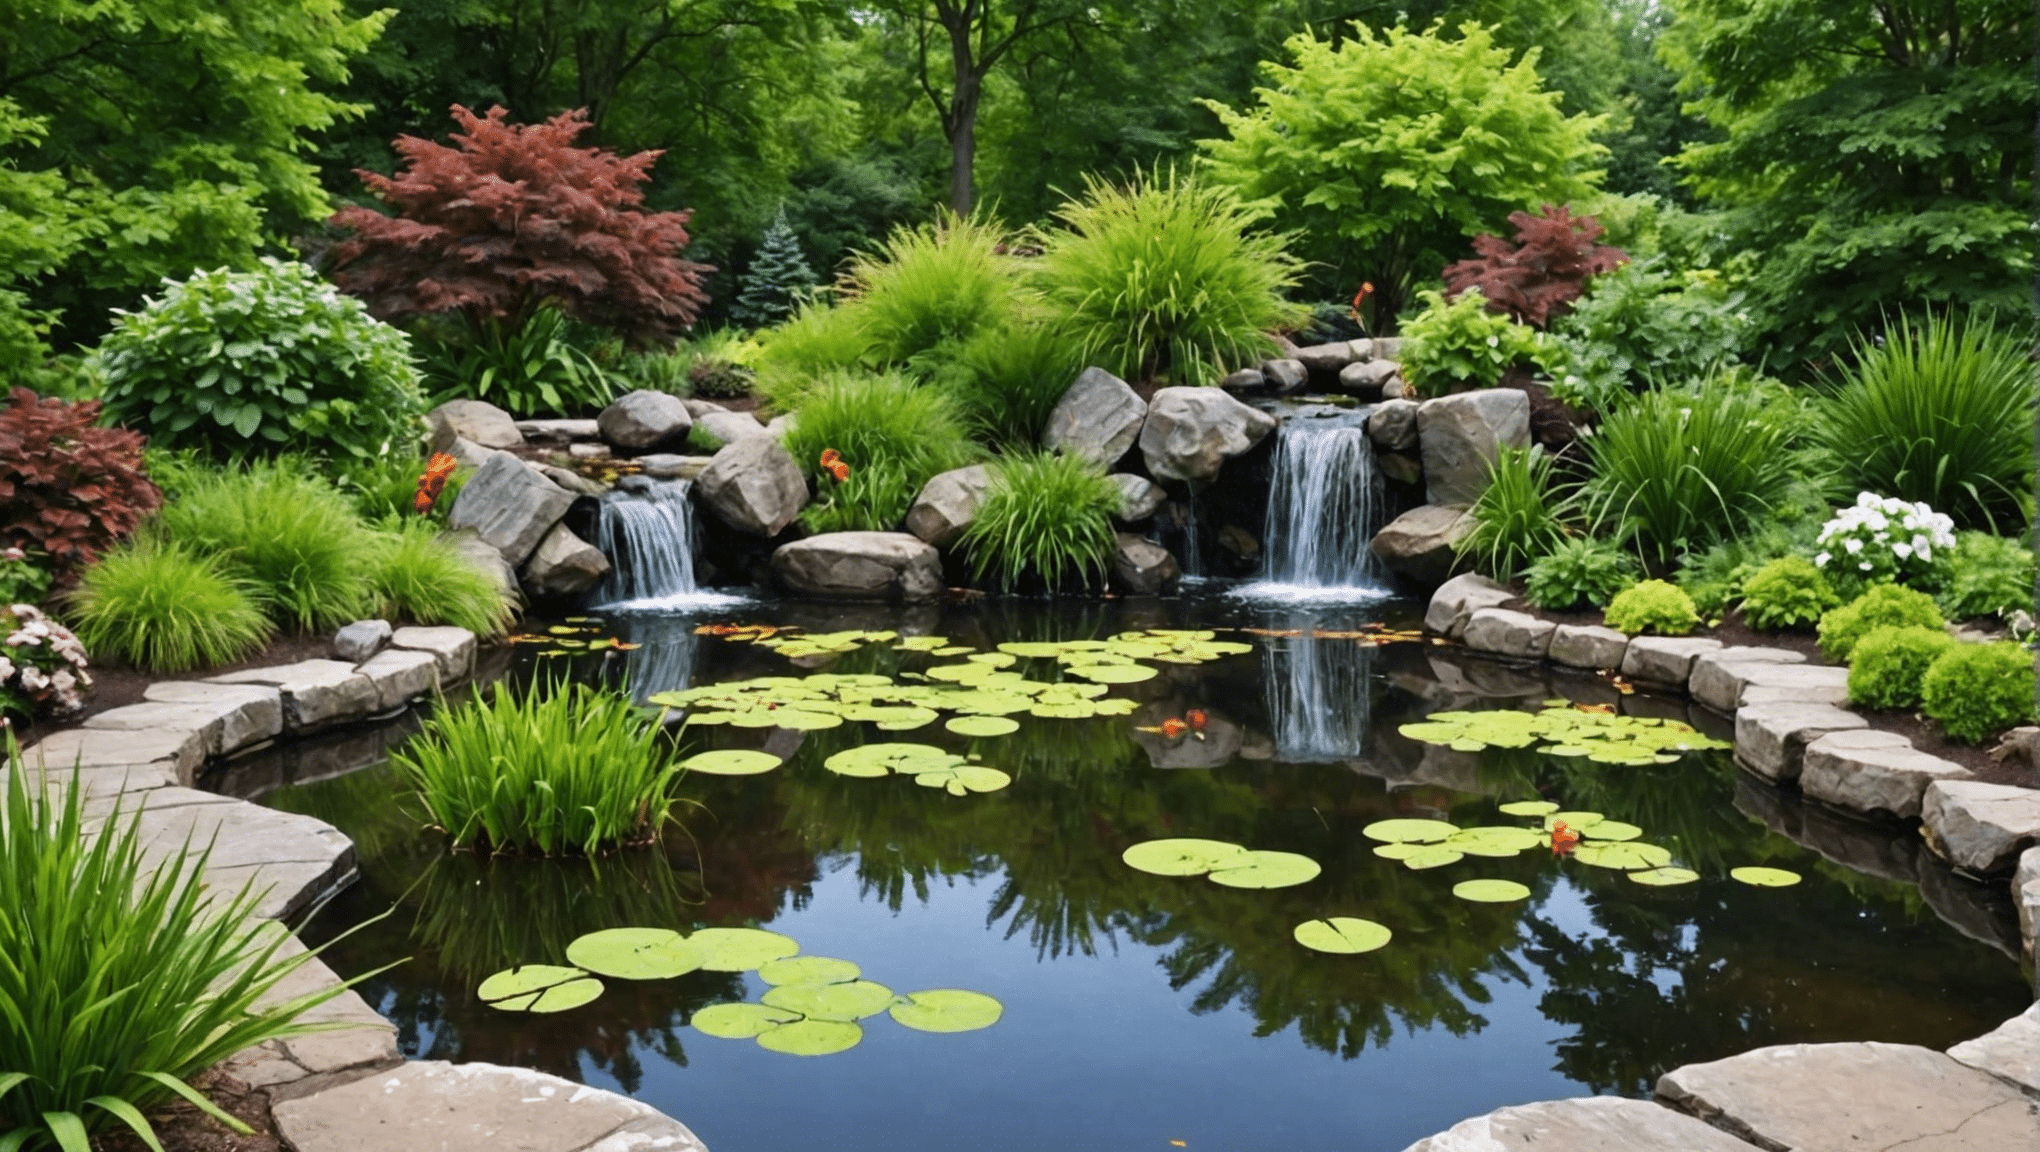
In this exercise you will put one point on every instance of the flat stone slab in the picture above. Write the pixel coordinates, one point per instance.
(1459, 598)
(174, 755)
(1855, 1097)
(1771, 739)
(315, 692)
(1870, 771)
(1981, 827)
(1508, 633)
(1664, 659)
(363, 1045)
(248, 713)
(400, 675)
(1718, 678)
(292, 859)
(475, 1108)
(2009, 1052)
(453, 647)
(1588, 1124)
(1587, 646)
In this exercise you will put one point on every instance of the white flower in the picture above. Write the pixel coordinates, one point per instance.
(1903, 550)
(1820, 561)
(1865, 565)
(1853, 545)
(32, 678)
(6, 669)
(1866, 500)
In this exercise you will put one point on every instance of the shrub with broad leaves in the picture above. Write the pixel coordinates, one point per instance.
(68, 489)
(42, 665)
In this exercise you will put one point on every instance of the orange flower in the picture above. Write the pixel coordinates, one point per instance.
(433, 482)
(1563, 839)
(1197, 719)
(834, 465)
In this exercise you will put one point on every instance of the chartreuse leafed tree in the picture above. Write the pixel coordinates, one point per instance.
(1879, 154)
(1390, 152)
(778, 278)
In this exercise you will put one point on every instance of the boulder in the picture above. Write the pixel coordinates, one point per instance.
(1505, 632)
(1143, 568)
(781, 425)
(1096, 419)
(1871, 771)
(2011, 1052)
(570, 480)
(564, 564)
(453, 648)
(753, 486)
(1665, 660)
(1459, 598)
(1400, 468)
(1977, 826)
(1771, 739)
(1585, 1124)
(467, 453)
(358, 641)
(567, 430)
(1284, 376)
(510, 506)
(860, 566)
(585, 451)
(1394, 388)
(1366, 380)
(1588, 646)
(1190, 432)
(728, 427)
(483, 557)
(1140, 498)
(1717, 679)
(645, 421)
(1244, 380)
(1393, 425)
(228, 717)
(1462, 434)
(671, 466)
(948, 503)
(400, 675)
(1418, 543)
(315, 692)
(475, 421)
(1325, 359)
(697, 408)
(1385, 348)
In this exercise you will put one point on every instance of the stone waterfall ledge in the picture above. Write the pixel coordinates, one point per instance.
(1586, 1124)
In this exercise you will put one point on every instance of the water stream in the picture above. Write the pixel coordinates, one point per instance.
(647, 531)
(1323, 508)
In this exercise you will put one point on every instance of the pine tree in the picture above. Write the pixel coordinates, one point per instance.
(778, 278)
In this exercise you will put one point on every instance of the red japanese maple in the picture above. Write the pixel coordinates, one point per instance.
(68, 488)
(514, 217)
(1536, 278)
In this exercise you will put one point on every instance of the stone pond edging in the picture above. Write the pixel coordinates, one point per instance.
(1982, 1095)
(350, 1088)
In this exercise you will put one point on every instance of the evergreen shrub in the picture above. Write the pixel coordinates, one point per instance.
(1841, 628)
(1787, 593)
(1888, 664)
(1652, 606)
(1978, 690)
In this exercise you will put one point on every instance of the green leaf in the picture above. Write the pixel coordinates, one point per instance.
(946, 1010)
(1345, 935)
(538, 988)
(634, 953)
(1409, 831)
(812, 1038)
(1491, 891)
(731, 762)
(1765, 877)
(1263, 869)
(808, 970)
(1185, 856)
(739, 949)
(740, 1021)
(842, 1000)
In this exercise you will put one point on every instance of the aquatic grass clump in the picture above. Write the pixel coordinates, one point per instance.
(551, 769)
(122, 973)
(892, 433)
(413, 576)
(291, 533)
(1516, 518)
(163, 608)
(1047, 516)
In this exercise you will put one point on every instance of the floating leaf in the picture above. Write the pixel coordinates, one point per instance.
(922, 643)
(1184, 856)
(812, 1038)
(842, 1000)
(808, 970)
(804, 720)
(872, 760)
(1490, 891)
(1432, 856)
(1263, 869)
(1397, 851)
(1627, 855)
(961, 779)
(1765, 877)
(1032, 649)
(995, 659)
(1611, 830)
(983, 725)
(739, 949)
(1346, 935)
(731, 762)
(1664, 877)
(1577, 821)
(539, 988)
(740, 1021)
(947, 1010)
(1529, 808)
(634, 953)
(1116, 673)
(1406, 831)
(1496, 841)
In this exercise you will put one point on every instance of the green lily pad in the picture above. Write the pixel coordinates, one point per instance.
(1432, 856)
(1491, 891)
(1080, 710)
(634, 953)
(808, 970)
(1184, 856)
(804, 719)
(739, 949)
(1346, 935)
(1397, 851)
(947, 1010)
(1494, 841)
(539, 988)
(1033, 649)
(995, 659)
(872, 760)
(954, 650)
(843, 1001)
(1265, 870)
(1406, 831)
(740, 1021)
(1664, 877)
(922, 643)
(1116, 673)
(1611, 830)
(1529, 808)
(1765, 877)
(960, 673)
(984, 725)
(1624, 855)
(961, 779)
(731, 762)
(812, 1038)
(1577, 821)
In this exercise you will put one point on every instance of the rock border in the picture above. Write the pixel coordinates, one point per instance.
(145, 757)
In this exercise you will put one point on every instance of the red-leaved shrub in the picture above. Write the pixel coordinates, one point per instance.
(67, 488)
(514, 217)
(1536, 278)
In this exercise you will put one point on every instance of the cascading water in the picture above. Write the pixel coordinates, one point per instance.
(1323, 509)
(647, 532)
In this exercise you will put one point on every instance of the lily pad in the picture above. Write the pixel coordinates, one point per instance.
(872, 760)
(1116, 673)
(1496, 841)
(1611, 830)
(1030, 648)
(1491, 891)
(634, 953)
(962, 779)
(739, 949)
(1185, 856)
(1346, 935)
(1529, 808)
(947, 1010)
(1432, 856)
(1577, 821)
(808, 970)
(922, 643)
(1765, 877)
(1408, 831)
(740, 1021)
(1265, 870)
(1397, 851)
(812, 1038)
(984, 725)
(539, 988)
(1624, 855)
(844, 1001)
(731, 762)
(804, 719)
(1664, 877)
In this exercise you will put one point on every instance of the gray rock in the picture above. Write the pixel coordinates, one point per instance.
(2026, 903)
(1968, 905)
(1771, 739)
(1419, 543)
(1141, 568)
(1191, 432)
(1395, 389)
(467, 453)
(2011, 1052)
(645, 421)
(400, 675)
(248, 714)
(860, 566)
(298, 859)
(1140, 498)
(1794, 684)
(1587, 1124)
(477, 422)
(1393, 425)
(1588, 646)
(558, 430)
(1664, 660)
(1855, 1096)
(358, 641)
(1505, 632)
(110, 759)
(1244, 380)
(564, 564)
(580, 451)
(1366, 380)
(697, 408)
(570, 480)
(1386, 348)
(779, 426)
(362, 1044)
(1717, 679)
(1096, 419)
(315, 692)
(948, 503)
(1459, 598)
(753, 486)
(728, 427)
(1847, 840)
(484, 557)
(475, 1108)
(1870, 771)
(1400, 468)
(669, 466)
(1980, 827)
(1461, 436)
(453, 648)
(1284, 376)
(510, 506)
(1325, 359)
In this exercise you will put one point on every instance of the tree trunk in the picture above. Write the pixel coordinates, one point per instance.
(961, 123)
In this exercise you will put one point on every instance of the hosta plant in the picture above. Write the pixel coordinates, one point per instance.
(1985, 575)
(1786, 593)
(1652, 606)
(68, 488)
(1978, 690)
(42, 665)
(1577, 571)
(1879, 540)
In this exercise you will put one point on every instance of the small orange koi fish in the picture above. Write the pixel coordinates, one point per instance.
(1563, 839)
(834, 464)
(433, 482)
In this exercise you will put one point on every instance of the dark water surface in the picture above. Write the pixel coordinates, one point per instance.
(1143, 1009)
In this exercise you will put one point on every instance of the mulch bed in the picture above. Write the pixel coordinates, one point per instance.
(183, 1128)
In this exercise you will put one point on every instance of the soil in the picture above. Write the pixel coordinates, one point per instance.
(183, 1128)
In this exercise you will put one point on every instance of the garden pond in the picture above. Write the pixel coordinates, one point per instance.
(1133, 1009)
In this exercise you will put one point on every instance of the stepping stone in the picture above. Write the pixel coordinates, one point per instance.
(2026, 900)
(1665, 659)
(1588, 646)
(1855, 1097)
(1870, 771)
(400, 675)
(1794, 684)
(1771, 739)
(1980, 827)
(475, 1108)
(106, 756)
(302, 1065)
(1589, 1124)
(248, 713)
(1459, 598)
(295, 858)
(1509, 633)
(2010, 1052)
(315, 692)
(1718, 678)
(453, 647)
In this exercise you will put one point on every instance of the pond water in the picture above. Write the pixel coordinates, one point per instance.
(1140, 1010)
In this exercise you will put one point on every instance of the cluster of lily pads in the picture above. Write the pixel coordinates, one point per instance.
(576, 635)
(812, 1008)
(1222, 862)
(1563, 729)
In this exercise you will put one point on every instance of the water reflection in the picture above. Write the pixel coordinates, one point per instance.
(1320, 699)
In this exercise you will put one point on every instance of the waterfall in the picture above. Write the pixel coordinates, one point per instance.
(647, 532)
(1323, 509)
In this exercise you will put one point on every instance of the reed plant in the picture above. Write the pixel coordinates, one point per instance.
(413, 576)
(161, 607)
(123, 974)
(550, 769)
(288, 531)
(931, 285)
(892, 433)
(1518, 517)
(1047, 516)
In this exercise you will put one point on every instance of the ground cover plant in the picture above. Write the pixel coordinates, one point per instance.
(1889, 664)
(1985, 575)
(1652, 606)
(1579, 570)
(1457, 344)
(412, 576)
(1787, 593)
(1046, 516)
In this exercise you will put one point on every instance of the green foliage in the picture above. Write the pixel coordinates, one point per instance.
(1579, 570)
(1676, 471)
(1451, 347)
(1978, 690)
(1885, 604)
(1787, 593)
(1008, 380)
(529, 370)
(894, 435)
(931, 285)
(1652, 606)
(1940, 412)
(778, 281)
(164, 607)
(1516, 518)
(266, 361)
(383, 489)
(290, 533)
(1387, 152)
(1888, 664)
(1163, 279)
(819, 341)
(1986, 575)
(1046, 516)
(68, 489)
(412, 576)
(24, 577)
(1639, 325)
(550, 770)
(720, 380)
